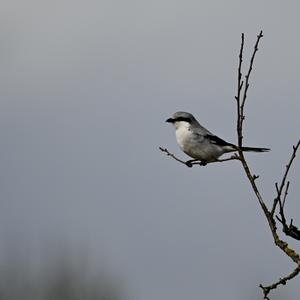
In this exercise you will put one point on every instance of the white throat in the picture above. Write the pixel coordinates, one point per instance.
(182, 133)
(181, 125)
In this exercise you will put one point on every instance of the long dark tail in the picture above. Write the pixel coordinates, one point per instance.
(253, 149)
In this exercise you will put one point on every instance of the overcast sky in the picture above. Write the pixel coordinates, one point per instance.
(85, 89)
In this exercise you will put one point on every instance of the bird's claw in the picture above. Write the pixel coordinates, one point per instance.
(189, 163)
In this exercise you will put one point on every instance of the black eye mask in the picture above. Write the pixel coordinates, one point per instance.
(179, 119)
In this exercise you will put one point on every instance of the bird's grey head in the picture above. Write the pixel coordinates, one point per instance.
(182, 117)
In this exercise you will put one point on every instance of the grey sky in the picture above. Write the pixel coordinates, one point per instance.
(85, 89)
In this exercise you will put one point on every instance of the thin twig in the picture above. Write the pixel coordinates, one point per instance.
(287, 169)
(172, 155)
(241, 102)
(239, 89)
(285, 193)
(250, 70)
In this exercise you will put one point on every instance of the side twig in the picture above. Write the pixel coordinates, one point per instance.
(279, 189)
(290, 230)
(281, 281)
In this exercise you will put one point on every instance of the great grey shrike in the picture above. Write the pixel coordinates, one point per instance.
(199, 143)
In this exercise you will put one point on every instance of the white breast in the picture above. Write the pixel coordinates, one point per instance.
(196, 145)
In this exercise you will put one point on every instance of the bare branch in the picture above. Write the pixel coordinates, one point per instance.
(240, 102)
(281, 281)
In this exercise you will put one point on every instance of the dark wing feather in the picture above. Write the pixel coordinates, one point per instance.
(218, 141)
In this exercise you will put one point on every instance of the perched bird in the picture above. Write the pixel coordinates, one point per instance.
(199, 143)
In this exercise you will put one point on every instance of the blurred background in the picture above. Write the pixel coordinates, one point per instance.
(90, 208)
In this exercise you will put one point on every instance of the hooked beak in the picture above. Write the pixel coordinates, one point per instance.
(170, 120)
